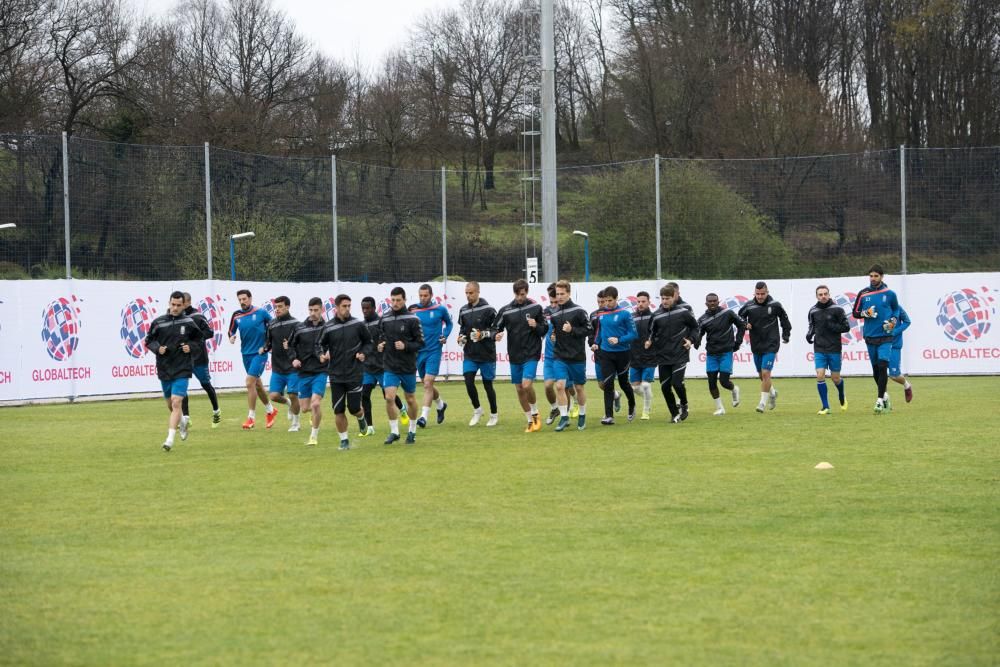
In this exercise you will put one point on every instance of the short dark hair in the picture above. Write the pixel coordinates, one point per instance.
(760, 285)
(711, 294)
(600, 295)
(341, 298)
(283, 299)
(551, 290)
(819, 287)
(177, 295)
(677, 288)
(369, 300)
(315, 301)
(668, 290)
(610, 292)
(398, 291)
(187, 296)
(427, 287)
(642, 293)
(520, 284)
(243, 291)
(877, 268)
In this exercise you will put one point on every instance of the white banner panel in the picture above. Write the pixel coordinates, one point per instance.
(68, 338)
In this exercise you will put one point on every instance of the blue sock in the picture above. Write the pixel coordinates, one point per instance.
(821, 388)
(840, 390)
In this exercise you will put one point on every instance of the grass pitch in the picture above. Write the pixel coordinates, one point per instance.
(710, 542)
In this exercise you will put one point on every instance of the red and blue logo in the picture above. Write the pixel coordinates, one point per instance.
(137, 316)
(856, 332)
(212, 309)
(61, 327)
(965, 315)
(734, 303)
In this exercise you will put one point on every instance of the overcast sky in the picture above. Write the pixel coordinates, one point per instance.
(342, 28)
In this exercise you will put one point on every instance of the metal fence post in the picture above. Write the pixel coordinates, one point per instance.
(208, 209)
(659, 266)
(65, 160)
(902, 201)
(333, 196)
(444, 227)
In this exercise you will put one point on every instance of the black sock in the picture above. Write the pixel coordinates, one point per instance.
(491, 395)
(212, 396)
(470, 389)
(366, 401)
(184, 406)
(713, 384)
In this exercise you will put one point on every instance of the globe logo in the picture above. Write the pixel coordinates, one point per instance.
(269, 307)
(734, 303)
(330, 308)
(61, 327)
(213, 311)
(856, 332)
(965, 314)
(628, 303)
(384, 306)
(137, 316)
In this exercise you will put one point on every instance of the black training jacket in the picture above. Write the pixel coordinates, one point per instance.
(304, 346)
(572, 346)
(764, 319)
(640, 356)
(717, 329)
(199, 355)
(342, 340)
(668, 329)
(523, 342)
(173, 332)
(480, 316)
(827, 321)
(405, 326)
(373, 361)
(278, 330)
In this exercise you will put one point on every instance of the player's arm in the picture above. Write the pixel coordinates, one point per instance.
(293, 347)
(233, 328)
(581, 327)
(630, 331)
(692, 327)
(152, 341)
(367, 342)
(498, 322)
(741, 327)
(811, 329)
(416, 341)
(449, 325)
(857, 312)
(841, 325)
(904, 322)
(541, 325)
(594, 337)
(786, 324)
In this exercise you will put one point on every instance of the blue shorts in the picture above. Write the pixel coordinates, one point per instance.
(201, 372)
(831, 360)
(573, 372)
(637, 375)
(311, 385)
(178, 387)
(896, 362)
(721, 363)
(764, 362)
(280, 382)
(368, 378)
(428, 363)
(407, 382)
(254, 364)
(877, 353)
(488, 369)
(521, 372)
(548, 369)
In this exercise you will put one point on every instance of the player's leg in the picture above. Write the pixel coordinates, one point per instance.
(354, 407)
(677, 382)
(578, 376)
(488, 372)
(725, 371)
(338, 401)
(896, 372)
(605, 367)
(528, 372)
(408, 384)
(712, 370)
(821, 366)
(390, 387)
(469, 370)
(666, 388)
(836, 363)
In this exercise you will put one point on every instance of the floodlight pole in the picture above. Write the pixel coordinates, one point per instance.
(550, 231)
(232, 252)
(586, 254)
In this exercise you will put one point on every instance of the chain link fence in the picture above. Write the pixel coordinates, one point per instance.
(139, 212)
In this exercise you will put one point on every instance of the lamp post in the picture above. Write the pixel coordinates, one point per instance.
(586, 254)
(232, 251)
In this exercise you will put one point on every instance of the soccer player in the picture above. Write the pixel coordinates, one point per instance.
(169, 338)
(603, 303)
(526, 324)
(570, 328)
(475, 335)
(763, 315)
(400, 337)
(283, 375)
(672, 332)
(716, 325)
(304, 351)
(373, 366)
(250, 323)
(827, 321)
(549, 360)
(878, 306)
(615, 333)
(432, 316)
(678, 301)
(345, 343)
(643, 360)
(199, 358)
(895, 362)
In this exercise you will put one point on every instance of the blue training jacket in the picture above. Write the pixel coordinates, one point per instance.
(432, 319)
(875, 306)
(616, 323)
(903, 325)
(252, 325)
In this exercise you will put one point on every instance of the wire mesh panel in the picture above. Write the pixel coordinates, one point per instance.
(31, 196)
(286, 202)
(953, 209)
(389, 223)
(136, 210)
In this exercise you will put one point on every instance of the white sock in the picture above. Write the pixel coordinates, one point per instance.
(773, 392)
(527, 415)
(314, 433)
(171, 432)
(216, 412)
(394, 426)
(907, 385)
(564, 410)
(718, 403)
(618, 394)
(553, 406)
(425, 412)
(533, 408)
(583, 410)
(440, 404)
(270, 408)
(412, 427)
(251, 414)
(764, 395)
(344, 436)
(478, 411)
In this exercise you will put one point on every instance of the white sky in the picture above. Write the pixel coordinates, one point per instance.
(343, 29)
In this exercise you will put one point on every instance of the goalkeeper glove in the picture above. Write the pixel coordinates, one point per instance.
(868, 312)
(889, 325)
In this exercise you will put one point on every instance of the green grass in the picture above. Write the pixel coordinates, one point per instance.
(711, 542)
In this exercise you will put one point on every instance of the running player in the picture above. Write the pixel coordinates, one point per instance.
(827, 321)
(250, 323)
(570, 328)
(400, 337)
(304, 351)
(878, 306)
(603, 303)
(896, 358)
(475, 334)
(345, 342)
(199, 358)
(678, 301)
(549, 360)
(283, 376)
(373, 366)
(615, 333)
(716, 325)
(672, 332)
(763, 315)
(169, 338)
(526, 324)
(432, 316)
(643, 361)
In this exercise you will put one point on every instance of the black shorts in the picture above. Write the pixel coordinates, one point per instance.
(612, 364)
(345, 397)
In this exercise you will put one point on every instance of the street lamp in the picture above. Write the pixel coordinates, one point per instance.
(232, 251)
(8, 225)
(586, 254)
